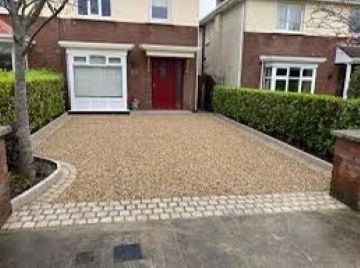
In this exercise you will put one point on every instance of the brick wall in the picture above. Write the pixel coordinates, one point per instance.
(47, 53)
(5, 205)
(256, 44)
(345, 184)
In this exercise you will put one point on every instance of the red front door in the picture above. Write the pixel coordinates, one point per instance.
(163, 84)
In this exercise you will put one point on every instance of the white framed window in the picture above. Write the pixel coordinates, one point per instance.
(284, 77)
(160, 10)
(289, 17)
(94, 8)
(92, 71)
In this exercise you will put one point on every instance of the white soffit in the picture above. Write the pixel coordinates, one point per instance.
(343, 58)
(103, 46)
(169, 51)
(289, 59)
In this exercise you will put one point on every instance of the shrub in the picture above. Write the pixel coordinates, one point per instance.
(354, 86)
(45, 97)
(302, 120)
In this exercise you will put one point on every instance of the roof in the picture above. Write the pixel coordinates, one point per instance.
(223, 7)
(5, 28)
(347, 55)
(352, 52)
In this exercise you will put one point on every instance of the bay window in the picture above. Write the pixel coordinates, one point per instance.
(289, 17)
(94, 7)
(289, 77)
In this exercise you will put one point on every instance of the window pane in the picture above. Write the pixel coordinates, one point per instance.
(94, 7)
(159, 9)
(80, 59)
(281, 71)
(106, 8)
(294, 72)
(307, 72)
(295, 17)
(82, 7)
(293, 86)
(268, 71)
(280, 85)
(115, 60)
(306, 87)
(354, 21)
(97, 60)
(89, 81)
(5, 57)
(267, 84)
(282, 16)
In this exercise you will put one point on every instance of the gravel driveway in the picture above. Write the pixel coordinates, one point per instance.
(147, 156)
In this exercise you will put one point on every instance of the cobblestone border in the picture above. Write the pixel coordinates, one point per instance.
(311, 161)
(45, 215)
(48, 189)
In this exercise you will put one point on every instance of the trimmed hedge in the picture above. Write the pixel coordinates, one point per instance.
(45, 91)
(302, 120)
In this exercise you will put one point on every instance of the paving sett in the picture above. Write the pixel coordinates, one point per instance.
(309, 239)
(152, 156)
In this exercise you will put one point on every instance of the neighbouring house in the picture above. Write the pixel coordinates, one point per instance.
(113, 52)
(285, 45)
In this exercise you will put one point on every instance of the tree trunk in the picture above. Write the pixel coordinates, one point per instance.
(25, 161)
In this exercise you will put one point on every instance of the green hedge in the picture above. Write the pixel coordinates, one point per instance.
(45, 97)
(302, 120)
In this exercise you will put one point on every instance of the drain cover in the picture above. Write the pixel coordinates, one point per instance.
(129, 252)
(84, 257)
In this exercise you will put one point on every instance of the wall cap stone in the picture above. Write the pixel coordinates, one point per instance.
(350, 134)
(4, 130)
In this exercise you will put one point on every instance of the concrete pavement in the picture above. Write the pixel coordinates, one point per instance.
(307, 239)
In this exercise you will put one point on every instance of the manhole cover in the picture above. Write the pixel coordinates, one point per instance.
(84, 257)
(129, 252)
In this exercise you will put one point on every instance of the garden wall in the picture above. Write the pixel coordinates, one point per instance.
(303, 120)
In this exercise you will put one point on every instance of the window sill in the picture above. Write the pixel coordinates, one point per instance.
(285, 32)
(94, 18)
(161, 22)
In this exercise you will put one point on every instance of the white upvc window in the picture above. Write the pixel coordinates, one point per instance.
(160, 10)
(94, 8)
(92, 71)
(289, 17)
(289, 77)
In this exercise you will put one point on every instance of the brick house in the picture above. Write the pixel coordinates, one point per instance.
(280, 45)
(113, 52)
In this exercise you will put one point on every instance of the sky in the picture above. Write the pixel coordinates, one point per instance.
(206, 6)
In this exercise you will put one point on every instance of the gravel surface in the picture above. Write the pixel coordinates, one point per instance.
(146, 156)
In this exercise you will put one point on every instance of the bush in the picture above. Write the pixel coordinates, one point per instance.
(354, 86)
(302, 120)
(45, 97)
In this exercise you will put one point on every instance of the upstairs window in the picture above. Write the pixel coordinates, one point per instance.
(354, 21)
(94, 8)
(289, 17)
(159, 10)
